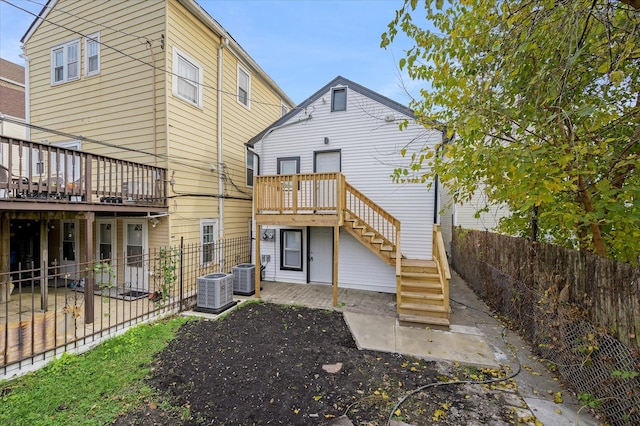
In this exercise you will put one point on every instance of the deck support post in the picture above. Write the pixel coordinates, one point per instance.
(5, 267)
(89, 278)
(258, 261)
(44, 263)
(336, 244)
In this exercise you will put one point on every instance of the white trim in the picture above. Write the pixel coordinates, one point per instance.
(95, 37)
(179, 54)
(243, 70)
(64, 48)
(215, 258)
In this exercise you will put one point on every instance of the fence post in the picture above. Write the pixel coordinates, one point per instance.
(181, 272)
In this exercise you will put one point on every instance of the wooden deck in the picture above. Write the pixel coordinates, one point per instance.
(37, 176)
(327, 199)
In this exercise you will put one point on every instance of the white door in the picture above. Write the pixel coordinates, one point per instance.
(69, 250)
(326, 162)
(136, 262)
(321, 254)
(66, 168)
(106, 253)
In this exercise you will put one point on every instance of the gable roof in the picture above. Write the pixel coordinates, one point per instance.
(338, 81)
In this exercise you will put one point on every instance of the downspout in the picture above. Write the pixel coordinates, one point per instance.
(27, 98)
(224, 42)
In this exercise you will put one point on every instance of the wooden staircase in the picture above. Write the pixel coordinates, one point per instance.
(422, 291)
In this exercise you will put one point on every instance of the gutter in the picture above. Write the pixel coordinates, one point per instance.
(27, 97)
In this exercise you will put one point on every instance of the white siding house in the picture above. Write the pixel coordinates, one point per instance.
(477, 213)
(348, 128)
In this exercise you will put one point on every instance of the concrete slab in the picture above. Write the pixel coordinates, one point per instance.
(468, 349)
(372, 332)
(386, 335)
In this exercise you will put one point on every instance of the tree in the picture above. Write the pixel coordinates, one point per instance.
(543, 98)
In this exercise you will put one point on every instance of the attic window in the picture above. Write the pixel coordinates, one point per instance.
(339, 99)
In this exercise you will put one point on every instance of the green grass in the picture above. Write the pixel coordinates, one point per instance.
(89, 389)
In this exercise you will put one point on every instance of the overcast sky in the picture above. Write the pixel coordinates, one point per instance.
(301, 44)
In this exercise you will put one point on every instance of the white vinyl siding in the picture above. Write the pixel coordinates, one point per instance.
(370, 151)
(92, 55)
(65, 62)
(244, 86)
(187, 78)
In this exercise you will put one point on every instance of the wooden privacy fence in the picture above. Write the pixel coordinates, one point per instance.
(39, 320)
(580, 312)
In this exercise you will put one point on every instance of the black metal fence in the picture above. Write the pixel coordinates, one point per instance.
(47, 312)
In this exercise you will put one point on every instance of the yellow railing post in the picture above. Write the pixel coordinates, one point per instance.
(398, 265)
(440, 256)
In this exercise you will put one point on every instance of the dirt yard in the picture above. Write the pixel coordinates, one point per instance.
(273, 364)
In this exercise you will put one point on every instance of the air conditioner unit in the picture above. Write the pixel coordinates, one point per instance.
(244, 279)
(215, 293)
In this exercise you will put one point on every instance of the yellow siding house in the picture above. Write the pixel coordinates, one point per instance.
(156, 82)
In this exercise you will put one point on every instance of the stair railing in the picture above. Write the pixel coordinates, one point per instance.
(440, 257)
(376, 218)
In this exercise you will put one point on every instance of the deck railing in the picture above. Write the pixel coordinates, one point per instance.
(299, 193)
(375, 217)
(36, 171)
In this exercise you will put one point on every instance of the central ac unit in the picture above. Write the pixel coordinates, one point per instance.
(215, 293)
(244, 279)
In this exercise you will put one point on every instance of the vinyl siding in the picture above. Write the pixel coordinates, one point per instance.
(358, 268)
(93, 106)
(117, 106)
(370, 151)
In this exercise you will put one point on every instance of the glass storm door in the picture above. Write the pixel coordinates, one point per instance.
(136, 268)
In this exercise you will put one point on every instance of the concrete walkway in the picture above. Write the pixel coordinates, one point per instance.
(474, 338)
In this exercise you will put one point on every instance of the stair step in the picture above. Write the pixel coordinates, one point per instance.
(420, 275)
(386, 248)
(422, 307)
(422, 296)
(420, 285)
(424, 319)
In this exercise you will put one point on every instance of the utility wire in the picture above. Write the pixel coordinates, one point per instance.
(146, 39)
(174, 159)
(153, 66)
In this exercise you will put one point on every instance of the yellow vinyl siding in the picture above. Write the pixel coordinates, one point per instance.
(237, 214)
(240, 124)
(120, 97)
(192, 130)
(117, 106)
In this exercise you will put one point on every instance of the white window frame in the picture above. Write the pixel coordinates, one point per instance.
(179, 55)
(215, 258)
(335, 90)
(253, 167)
(243, 70)
(88, 42)
(66, 65)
